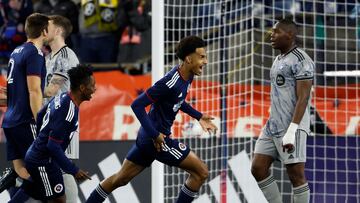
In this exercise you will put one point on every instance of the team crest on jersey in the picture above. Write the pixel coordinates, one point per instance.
(58, 188)
(280, 80)
(182, 146)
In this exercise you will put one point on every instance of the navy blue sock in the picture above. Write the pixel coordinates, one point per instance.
(186, 195)
(20, 196)
(97, 195)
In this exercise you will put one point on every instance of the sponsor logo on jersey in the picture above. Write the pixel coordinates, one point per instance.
(58, 188)
(280, 80)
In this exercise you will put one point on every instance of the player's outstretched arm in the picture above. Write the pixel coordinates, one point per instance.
(189, 110)
(138, 106)
(58, 155)
(207, 124)
(82, 175)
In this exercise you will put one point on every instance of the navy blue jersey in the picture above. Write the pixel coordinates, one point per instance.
(58, 121)
(167, 97)
(25, 60)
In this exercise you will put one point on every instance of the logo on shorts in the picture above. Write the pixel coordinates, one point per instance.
(182, 146)
(280, 80)
(58, 188)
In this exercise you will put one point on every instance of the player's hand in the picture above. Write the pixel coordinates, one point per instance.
(207, 124)
(82, 175)
(288, 141)
(159, 142)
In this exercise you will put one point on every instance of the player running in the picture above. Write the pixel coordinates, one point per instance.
(166, 97)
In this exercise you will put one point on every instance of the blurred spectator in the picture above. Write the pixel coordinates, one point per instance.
(134, 23)
(66, 8)
(12, 21)
(99, 31)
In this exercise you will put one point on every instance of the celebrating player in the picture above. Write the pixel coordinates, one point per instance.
(285, 133)
(58, 121)
(167, 97)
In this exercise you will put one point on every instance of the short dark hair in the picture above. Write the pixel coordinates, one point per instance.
(188, 45)
(64, 23)
(79, 75)
(289, 23)
(35, 24)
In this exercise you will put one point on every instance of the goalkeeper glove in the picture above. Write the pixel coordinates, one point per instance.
(288, 140)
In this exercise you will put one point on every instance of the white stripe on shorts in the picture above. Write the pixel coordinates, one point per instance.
(45, 180)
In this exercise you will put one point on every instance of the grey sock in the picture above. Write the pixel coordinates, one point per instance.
(301, 194)
(270, 189)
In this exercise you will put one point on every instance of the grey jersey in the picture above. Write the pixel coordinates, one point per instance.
(59, 64)
(285, 71)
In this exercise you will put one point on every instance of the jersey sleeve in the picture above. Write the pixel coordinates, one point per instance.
(304, 70)
(188, 109)
(35, 62)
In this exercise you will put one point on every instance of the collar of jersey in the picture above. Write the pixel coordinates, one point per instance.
(284, 55)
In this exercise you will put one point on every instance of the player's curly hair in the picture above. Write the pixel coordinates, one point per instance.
(188, 45)
(79, 75)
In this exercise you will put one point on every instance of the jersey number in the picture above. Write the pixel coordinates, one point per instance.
(11, 68)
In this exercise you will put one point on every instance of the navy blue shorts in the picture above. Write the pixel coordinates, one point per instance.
(47, 181)
(19, 139)
(143, 152)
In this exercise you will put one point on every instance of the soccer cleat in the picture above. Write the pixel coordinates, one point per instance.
(8, 179)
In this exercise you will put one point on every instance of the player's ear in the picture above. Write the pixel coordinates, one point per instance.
(188, 59)
(82, 87)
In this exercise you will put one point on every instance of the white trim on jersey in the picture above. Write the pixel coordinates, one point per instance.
(173, 80)
(45, 180)
(71, 112)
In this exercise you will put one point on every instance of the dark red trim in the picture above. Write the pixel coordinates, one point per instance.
(149, 97)
(55, 140)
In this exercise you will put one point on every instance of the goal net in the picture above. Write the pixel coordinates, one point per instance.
(234, 88)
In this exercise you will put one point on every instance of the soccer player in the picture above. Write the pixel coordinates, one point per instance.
(58, 121)
(167, 97)
(285, 133)
(58, 62)
(25, 84)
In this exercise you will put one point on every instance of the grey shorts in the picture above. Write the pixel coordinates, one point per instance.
(272, 146)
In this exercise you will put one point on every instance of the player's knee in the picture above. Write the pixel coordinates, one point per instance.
(297, 178)
(258, 171)
(119, 181)
(203, 173)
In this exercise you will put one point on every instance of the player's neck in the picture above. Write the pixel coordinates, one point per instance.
(38, 42)
(76, 98)
(286, 50)
(185, 71)
(56, 45)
